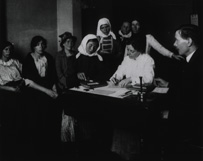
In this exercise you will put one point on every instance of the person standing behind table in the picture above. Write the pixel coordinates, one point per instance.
(44, 116)
(88, 61)
(65, 63)
(137, 63)
(124, 35)
(151, 42)
(108, 46)
(185, 94)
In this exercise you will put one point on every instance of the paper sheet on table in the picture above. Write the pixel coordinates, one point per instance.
(110, 91)
(162, 90)
(102, 92)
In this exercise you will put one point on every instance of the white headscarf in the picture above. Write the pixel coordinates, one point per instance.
(104, 21)
(82, 47)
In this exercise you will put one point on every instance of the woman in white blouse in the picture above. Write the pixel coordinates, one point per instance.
(135, 65)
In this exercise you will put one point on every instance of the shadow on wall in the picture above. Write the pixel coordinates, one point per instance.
(28, 18)
(22, 47)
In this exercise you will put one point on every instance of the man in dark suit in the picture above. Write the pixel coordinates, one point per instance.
(185, 113)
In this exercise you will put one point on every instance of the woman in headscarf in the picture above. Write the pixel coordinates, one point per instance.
(108, 46)
(89, 62)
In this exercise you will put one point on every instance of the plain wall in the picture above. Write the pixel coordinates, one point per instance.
(27, 18)
(69, 19)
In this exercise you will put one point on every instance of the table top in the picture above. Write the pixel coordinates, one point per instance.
(116, 92)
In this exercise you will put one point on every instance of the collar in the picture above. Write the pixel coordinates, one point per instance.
(190, 56)
(8, 63)
(125, 36)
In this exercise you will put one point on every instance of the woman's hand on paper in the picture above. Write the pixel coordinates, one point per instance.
(125, 82)
(114, 80)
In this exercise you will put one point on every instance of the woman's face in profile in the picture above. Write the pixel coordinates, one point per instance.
(91, 47)
(39, 48)
(105, 29)
(6, 53)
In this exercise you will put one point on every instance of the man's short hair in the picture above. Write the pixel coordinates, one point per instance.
(190, 31)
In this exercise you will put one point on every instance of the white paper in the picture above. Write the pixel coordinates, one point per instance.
(160, 90)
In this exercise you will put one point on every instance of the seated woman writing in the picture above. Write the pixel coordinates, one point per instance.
(135, 65)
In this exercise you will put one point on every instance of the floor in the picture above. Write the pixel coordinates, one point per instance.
(10, 150)
(63, 152)
(73, 152)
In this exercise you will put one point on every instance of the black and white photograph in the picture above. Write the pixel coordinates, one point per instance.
(101, 80)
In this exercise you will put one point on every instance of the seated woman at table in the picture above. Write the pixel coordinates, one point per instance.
(89, 67)
(135, 65)
(88, 62)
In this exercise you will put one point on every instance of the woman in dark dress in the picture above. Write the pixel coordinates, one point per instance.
(66, 78)
(89, 62)
(43, 114)
(65, 63)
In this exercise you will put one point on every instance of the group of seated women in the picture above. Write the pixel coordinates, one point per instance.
(28, 94)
